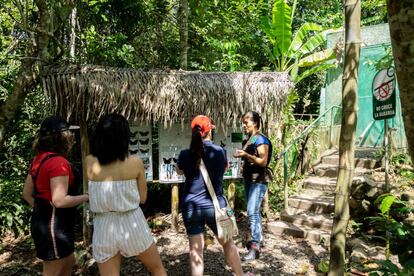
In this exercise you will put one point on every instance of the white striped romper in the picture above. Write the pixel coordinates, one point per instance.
(119, 224)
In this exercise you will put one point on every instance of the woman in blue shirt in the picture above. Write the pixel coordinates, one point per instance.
(196, 203)
(256, 155)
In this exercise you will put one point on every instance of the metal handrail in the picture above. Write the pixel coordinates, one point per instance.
(286, 150)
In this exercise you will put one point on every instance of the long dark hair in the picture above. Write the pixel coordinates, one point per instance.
(110, 141)
(255, 118)
(196, 145)
(59, 142)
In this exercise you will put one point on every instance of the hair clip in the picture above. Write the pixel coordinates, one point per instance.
(133, 151)
(132, 134)
(222, 144)
(133, 142)
(143, 133)
(167, 161)
(144, 150)
(144, 142)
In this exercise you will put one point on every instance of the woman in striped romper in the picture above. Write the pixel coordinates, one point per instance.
(117, 186)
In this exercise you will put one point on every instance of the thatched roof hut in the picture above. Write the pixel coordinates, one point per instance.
(87, 92)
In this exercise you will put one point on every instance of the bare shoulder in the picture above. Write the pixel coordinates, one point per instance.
(135, 161)
(90, 160)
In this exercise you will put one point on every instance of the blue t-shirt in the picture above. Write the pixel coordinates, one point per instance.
(194, 190)
(251, 171)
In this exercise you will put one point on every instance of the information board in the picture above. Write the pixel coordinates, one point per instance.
(140, 145)
(231, 141)
(383, 91)
(171, 141)
(175, 138)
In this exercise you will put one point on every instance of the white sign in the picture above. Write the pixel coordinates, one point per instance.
(231, 142)
(171, 141)
(384, 84)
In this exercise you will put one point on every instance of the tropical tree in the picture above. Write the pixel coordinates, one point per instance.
(401, 24)
(347, 136)
(38, 25)
(291, 52)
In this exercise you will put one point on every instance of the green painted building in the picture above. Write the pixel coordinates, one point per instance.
(370, 132)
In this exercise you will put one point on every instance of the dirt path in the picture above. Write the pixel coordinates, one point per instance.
(281, 255)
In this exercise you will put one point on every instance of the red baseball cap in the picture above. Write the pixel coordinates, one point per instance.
(204, 122)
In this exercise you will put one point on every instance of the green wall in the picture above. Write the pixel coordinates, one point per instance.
(370, 133)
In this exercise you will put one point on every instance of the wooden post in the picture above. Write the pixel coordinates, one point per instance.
(86, 230)
(231, 192)
(174, 206)
(386, 157)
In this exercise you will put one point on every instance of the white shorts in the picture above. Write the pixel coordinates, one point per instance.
(127, 233)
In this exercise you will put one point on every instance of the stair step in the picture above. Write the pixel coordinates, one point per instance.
(359, 162)
(314, 203)
(320, 183)
(312, 235)
(332, 170)
(298, 217)
(328, 184)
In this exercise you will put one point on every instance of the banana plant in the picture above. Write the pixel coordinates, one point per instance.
(290, 52)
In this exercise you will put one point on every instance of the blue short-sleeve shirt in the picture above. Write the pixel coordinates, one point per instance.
(251, 171)
(194, 193)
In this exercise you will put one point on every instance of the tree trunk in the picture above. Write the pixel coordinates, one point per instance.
(183, 27)
(27, 80)
(37, 54)
(347, 136)
(72, 43)
(401, 21)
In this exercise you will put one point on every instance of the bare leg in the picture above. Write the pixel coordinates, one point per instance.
(152, 261)
(196, 254)
(111, 267)
(232, 256)
(62, 267)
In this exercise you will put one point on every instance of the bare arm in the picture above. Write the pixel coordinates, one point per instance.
(260, 160)
(60, 198)
(142, 183)
(28, 190)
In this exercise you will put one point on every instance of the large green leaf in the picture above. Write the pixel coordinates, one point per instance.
(312, 43)
(267, 28)
(317, 58)
(300, 35)
(281, 25)
(386, 203)
(312, 71)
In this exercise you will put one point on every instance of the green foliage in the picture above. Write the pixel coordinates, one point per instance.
(14, 214)
(289, 53)
(399, 234)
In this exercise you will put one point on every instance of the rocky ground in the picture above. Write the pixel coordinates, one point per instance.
(281, 255)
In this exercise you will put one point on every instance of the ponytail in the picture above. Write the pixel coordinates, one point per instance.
(196, 146)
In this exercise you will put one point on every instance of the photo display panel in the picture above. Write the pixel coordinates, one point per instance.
(171, 141)
(140, 145)
(231, 141)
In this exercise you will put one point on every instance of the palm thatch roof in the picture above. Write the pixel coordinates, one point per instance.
(87, 92)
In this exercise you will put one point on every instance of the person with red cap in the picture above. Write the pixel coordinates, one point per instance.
(196, 203)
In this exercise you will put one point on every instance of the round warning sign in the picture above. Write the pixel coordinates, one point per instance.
(384, 84)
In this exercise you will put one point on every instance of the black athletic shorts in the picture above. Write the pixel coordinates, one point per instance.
(52, 231)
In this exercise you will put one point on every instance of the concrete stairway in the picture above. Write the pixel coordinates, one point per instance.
(310, 211)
